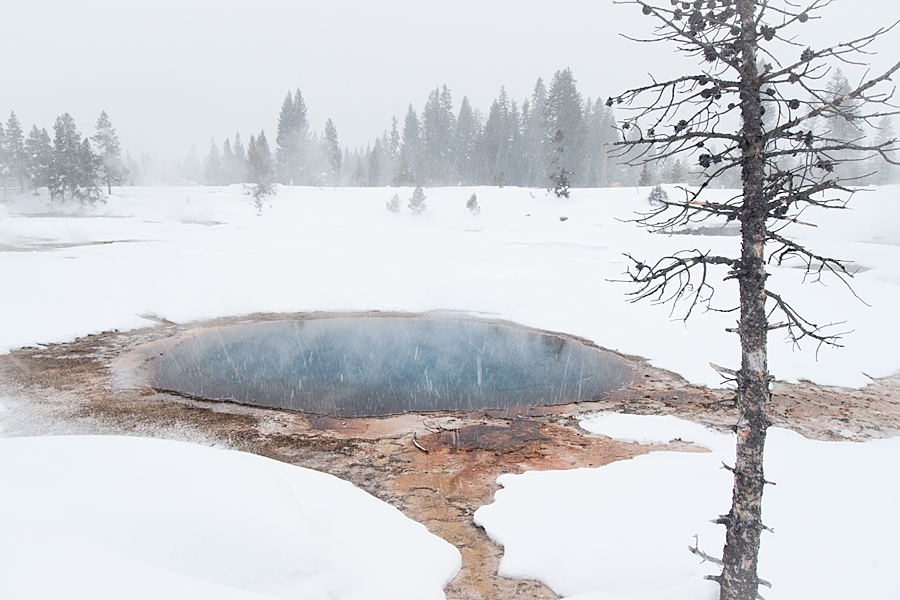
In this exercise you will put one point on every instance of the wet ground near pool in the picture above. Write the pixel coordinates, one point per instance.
(436, 467)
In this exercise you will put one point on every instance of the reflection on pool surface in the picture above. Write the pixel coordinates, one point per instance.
(378, 366)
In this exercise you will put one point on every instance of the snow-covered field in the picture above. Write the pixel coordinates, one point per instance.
(194, 253)
(116, 517)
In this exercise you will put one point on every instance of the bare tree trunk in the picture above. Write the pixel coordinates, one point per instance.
(739, 579)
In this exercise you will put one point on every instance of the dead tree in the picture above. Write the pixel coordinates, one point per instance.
(751, 109)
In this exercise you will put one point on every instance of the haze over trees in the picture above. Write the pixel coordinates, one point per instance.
(260, 167)
(512, 144)
(68, 164)
(800, 143)
(555, 139)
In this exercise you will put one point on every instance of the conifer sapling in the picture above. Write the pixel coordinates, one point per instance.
(417, 201)
(393, 205)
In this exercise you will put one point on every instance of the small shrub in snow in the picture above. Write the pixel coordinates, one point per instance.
(472, 205)
(658, 196)
(260, 191)
(560, 183)
(417, 202)
(393, 204)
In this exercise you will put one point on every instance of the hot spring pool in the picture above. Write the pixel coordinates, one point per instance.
(379, 366)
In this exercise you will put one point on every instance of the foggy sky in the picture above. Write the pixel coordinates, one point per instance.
(175, 73)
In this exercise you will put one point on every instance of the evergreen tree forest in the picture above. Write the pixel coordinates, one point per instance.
(555, 139)
(554, 134)
(69, 165)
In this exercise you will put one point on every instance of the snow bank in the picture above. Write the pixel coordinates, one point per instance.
(621, 532)
(117, 517)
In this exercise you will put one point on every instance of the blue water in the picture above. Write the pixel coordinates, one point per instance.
(378, 366)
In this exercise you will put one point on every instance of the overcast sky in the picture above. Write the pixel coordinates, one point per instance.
(175, 73)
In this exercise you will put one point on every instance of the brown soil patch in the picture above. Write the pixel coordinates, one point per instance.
(438, 468)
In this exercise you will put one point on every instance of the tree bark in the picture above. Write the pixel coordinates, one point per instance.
(739, 579)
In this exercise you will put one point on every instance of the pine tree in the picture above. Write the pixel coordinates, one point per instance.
(437, 134)
(472, 205)
(286, 144)
(240, 160)
(646, 177)
(516, 170)
(417, 201)
(213, 165)
(535, 140)
(885, 172)
(359, 168)
(564, 127)
(227, 163)
(260, 168)
(600, 126)
(658, 196)
(393, 205)
(676, 173)
(66, 157)
(393, 149)
(465, 143)
(494, 149)
(111, 170)
(559, 174)
(333, 152)
(292, 139)
(4, 162)
(191, 168)
(16, 156)
(373, 168)
(841, 126)
(410, 152)
(39, 151)
(87, 177)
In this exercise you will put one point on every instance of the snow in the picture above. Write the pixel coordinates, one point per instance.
(115, 517)
(621, 532)
(655, 429)
(195, 253)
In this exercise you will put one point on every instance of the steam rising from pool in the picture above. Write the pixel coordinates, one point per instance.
(379, 366)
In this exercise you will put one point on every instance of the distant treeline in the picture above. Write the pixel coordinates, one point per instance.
(67, 164)
(554, 139)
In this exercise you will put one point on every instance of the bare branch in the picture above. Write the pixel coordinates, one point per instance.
(799, 328)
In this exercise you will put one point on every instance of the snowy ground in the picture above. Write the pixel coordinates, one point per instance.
(194, 253)
(622, 531)
(116, 517)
